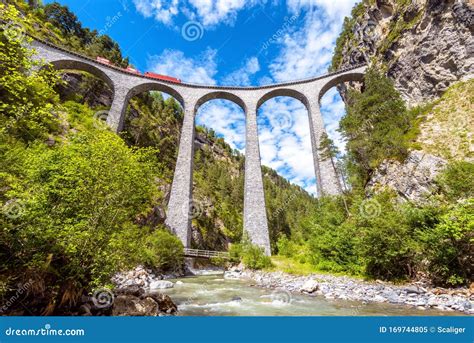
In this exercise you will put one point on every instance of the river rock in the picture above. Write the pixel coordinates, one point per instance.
(129, 305)
(378, 298)
(414, 290)
(341, 287)
(134, 290)
(165, 304)
(310, 286)
(161, 284)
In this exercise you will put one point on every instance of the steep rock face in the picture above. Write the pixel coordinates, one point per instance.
(412, 179)
(446, 134)
(427, 45)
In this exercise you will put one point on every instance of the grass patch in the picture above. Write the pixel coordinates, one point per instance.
(293, 267)
(447, 119)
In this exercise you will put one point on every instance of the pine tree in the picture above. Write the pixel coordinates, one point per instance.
(329, 151)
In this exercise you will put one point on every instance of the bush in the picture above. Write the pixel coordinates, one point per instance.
(334, 249)
(286, 247)
(387, 245)
(163, 251)
(76, 205)
(457, 181)
(27, 96)
(448, 246)
(250, 255)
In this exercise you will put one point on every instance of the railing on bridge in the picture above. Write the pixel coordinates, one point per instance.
(205, 253)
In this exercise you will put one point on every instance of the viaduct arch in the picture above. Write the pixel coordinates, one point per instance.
(191, 96)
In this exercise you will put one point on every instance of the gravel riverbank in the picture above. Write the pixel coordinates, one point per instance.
(346, 288)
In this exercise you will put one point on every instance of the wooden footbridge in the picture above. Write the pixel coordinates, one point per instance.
(205, 253)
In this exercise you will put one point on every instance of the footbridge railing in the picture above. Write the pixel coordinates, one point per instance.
(205, 253)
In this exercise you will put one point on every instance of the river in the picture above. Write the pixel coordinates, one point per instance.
(212, 295)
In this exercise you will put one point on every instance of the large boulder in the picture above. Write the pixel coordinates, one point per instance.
(310, 286)
(129, 305)
(132, 303)
(165, 304)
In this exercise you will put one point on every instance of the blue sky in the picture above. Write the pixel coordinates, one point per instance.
(235, 42)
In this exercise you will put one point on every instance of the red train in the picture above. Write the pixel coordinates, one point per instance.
(135, 71)
(103, 60)
(162, 77)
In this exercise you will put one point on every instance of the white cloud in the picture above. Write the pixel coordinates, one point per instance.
(208, 13)
(287, 148)
(241, 76)
(211, 13)
(173, 63)
(227, 119)
(334, 8)
(163, 11)
(306, 52)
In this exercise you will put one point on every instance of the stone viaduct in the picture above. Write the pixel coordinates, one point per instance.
(126, 85)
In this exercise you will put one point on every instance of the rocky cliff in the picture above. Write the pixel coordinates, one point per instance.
(427, 48)
(425, 45)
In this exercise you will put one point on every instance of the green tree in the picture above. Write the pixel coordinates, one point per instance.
(64, 19)
(74, 209)
(374, 126)
(448, 246)
(27, 96)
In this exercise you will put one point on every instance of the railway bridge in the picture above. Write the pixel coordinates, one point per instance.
(126, 84)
